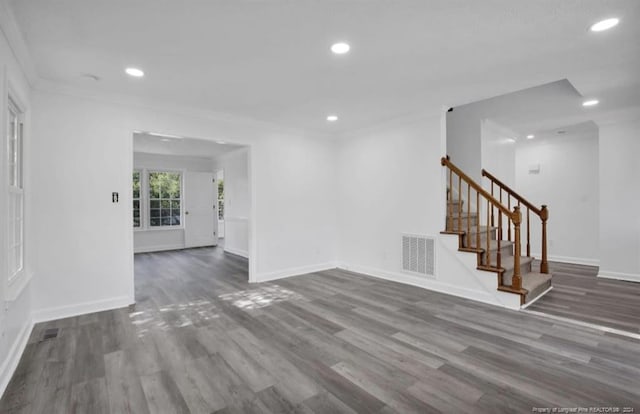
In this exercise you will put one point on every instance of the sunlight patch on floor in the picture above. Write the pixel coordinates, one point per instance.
(261, 297)
(173, 316)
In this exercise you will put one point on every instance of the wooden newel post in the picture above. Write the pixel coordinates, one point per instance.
(544, 216)
(516, 281)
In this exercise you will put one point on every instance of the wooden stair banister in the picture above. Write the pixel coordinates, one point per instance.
(514, 217)
(542, 213)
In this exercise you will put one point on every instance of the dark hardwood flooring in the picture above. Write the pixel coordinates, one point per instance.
(202, 340)
(580, 295)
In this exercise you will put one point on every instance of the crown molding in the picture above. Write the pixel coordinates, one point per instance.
(58, 88)
(17, 43)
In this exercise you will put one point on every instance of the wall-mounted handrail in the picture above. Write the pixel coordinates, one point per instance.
(542, 213)
(514, 217)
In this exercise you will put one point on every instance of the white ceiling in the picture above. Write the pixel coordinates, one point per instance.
(534, 110)
(186, 147)
(270, 59)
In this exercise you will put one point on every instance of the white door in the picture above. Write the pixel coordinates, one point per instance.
(200, 215)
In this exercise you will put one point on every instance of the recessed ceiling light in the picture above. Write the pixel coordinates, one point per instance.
(340, 48)
(605, 24)
(135, 72)
(531, 136)
(332, 118)
(511, 140)
(221, 142)
(590, 102)
(165, 139)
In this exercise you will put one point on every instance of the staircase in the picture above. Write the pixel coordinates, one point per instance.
(490, 227)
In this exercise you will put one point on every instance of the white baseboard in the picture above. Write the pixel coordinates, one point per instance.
(50, 314)
(568, 259)
(294, 271)
(160, 248)
(425, 283)
(10, 363)
(629, 277)
(237, 252)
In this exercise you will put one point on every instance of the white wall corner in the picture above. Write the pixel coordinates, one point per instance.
(629, 277)
(12, 359)
(13, 34)
(294, 271)
(50, 314)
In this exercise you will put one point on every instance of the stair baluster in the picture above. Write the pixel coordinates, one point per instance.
(499, 253)
(469, 211)
(516, 281)
(528, 233)
(459, 203)
(478, 220)
(544, 216)
(488, 251)
(450, 201)
(509, 207)
(542, 213)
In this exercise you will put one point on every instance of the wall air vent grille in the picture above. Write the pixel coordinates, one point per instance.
(418, 254)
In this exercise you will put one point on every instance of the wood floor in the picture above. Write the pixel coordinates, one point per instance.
(579, 294)
(202, 340)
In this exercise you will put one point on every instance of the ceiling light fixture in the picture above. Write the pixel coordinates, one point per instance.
(605, 24)
(221, 142)
(135, 72)
(340, 48)
(590, 102)
(511, 140)
(531, 136)
(332, 118)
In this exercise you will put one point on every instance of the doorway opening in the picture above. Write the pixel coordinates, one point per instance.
(190, 200)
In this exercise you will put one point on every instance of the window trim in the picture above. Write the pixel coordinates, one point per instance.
(16, 283)
(145, 205)
(140, 204)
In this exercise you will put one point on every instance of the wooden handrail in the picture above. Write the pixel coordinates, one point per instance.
(514, 217)
(542, 212)
(511, 192)
(446, 162)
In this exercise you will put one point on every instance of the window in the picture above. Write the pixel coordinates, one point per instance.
(164, 199)
(136, 199)
(15, 220)
(220, 199)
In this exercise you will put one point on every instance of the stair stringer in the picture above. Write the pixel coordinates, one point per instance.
(480, 285)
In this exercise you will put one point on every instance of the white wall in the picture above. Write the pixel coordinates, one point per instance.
(151, 240)
(498, 154)
(568, 184)
(464, 139)
(391, 182)
(388, 185)
(237, 201)
(15, 300)
(84, 254)
(620, 200)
